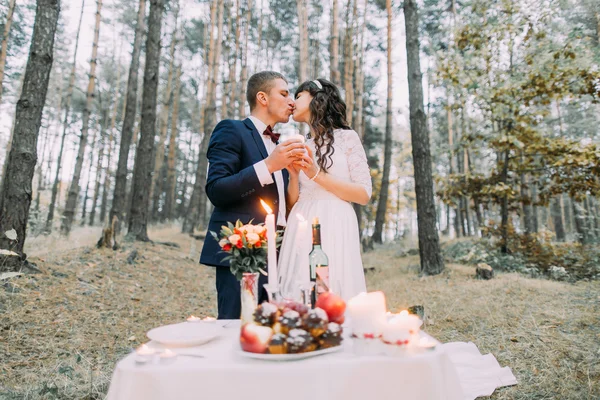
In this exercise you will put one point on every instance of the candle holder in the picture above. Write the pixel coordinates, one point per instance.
(306, 289)
(273, 292)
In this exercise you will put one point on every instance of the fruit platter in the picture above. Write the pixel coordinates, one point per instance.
(291, 330)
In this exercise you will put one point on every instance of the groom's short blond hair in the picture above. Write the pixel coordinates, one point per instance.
(261, 82)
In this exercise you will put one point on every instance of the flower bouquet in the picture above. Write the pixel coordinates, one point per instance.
(246, 246)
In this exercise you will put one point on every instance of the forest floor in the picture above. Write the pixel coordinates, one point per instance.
(63, 331)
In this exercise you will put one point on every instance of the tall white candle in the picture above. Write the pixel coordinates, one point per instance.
(271, 245)
(303, 248)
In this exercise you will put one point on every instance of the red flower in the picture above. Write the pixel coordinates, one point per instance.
(238, 232)
(258, 244)
(227, 247)
(239, 244)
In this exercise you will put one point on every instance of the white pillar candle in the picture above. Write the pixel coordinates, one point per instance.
(271, 245)
(367, 314)
(303, 248)
(402, 329)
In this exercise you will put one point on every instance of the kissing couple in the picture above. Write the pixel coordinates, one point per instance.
(317, 178)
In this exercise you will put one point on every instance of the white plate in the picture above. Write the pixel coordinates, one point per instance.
(289, 357)
(185, 334)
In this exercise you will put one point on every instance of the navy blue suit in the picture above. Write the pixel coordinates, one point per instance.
(235, 190)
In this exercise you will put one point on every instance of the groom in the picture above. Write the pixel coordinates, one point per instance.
(246, 164)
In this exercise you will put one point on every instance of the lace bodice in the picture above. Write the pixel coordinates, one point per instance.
(349, 163)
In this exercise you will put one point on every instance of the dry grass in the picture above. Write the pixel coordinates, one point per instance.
(548, 332)
(61, 332)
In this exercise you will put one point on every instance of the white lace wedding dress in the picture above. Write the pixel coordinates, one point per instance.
(339, 226)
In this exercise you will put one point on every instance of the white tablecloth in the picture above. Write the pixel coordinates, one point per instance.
(225, 374)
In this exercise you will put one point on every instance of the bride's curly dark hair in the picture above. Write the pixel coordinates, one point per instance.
(327, 113)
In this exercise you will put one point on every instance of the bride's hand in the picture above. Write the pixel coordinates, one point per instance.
(309, 167)
(294, 169)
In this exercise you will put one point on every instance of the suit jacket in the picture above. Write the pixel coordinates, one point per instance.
(232, 184)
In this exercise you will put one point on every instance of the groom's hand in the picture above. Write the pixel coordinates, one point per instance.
(284, 154)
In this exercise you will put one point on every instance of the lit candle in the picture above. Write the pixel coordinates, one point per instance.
(303, 249)
(208, 319)
(271, 245)
(167, 356)
(402, 329)
(367, 314)
(192, 318)
(144, 354)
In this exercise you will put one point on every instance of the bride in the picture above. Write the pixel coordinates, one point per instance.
(333, 175)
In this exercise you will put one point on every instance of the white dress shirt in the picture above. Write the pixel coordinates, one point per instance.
(262, 171)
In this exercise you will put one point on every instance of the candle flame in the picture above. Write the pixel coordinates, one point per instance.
(266, 207)
(403, 313)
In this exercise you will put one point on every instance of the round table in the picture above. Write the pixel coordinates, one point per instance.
(224, 373)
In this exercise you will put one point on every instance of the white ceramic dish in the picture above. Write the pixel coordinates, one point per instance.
(185, 334)
(289, 357)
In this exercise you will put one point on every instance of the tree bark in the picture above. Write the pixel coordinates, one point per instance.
(102, 144)
(111, 139)
(119, 204)
(16, 194)
(334, 56)
(169, 212)
(504, 208)
(156, 188)
(432, 261)
(557, 219)
(68, 99)
(380, 215)
(244, 57)
(4, 46)
(142, 171)
(349, 60)
(233, 63)
(303, 40)
(580, 227)
(360, 77)
(89, 178)
(71, 205)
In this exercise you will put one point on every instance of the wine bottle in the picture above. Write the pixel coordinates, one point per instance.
(317, 258)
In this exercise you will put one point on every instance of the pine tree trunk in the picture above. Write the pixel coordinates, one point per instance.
(197, 208)
(579, 218)
(432, 261)
(349, 60)
(89, 179)
(334, 46)
(244, 57)
(111, 139)
(557, 218)
(302, 11)
(156, 188)
(380, 215)
(169, 212)
(233, 63)
(589, 217)
(119, 203)
(4, 46)
(102, 144)
(16, 194)
(451, 158)
(504, 207)
(360, 77)
(68, 99)
(71, 205)
(142, 171)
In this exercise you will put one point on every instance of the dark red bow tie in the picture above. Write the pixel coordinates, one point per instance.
(274, 136)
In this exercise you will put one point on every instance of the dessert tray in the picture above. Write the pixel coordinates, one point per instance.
(289, 357)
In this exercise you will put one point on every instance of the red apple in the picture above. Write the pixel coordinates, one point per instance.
(255, 338)
(333, 305)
